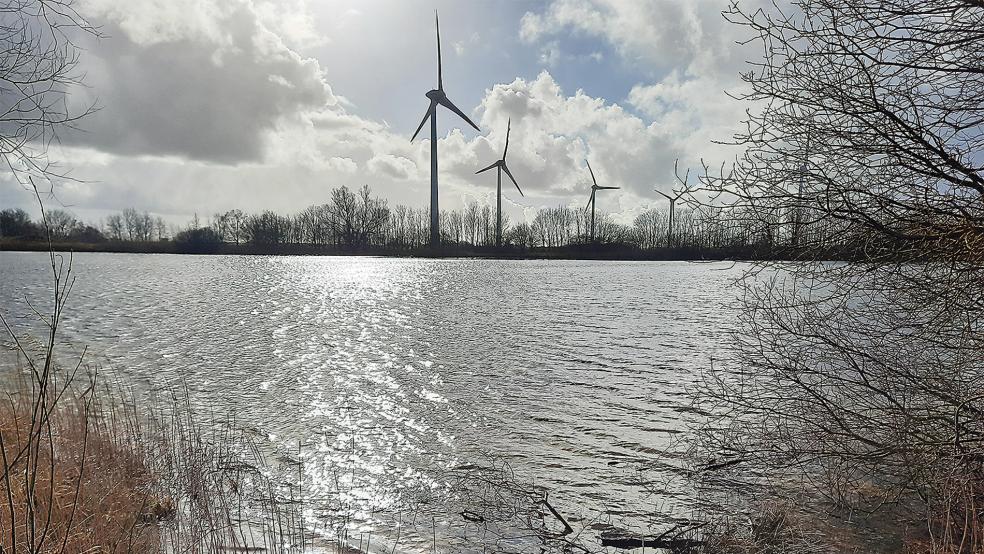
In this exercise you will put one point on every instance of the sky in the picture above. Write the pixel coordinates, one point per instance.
(211, 105)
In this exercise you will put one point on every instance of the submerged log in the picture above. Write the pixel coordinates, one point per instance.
(676, 539)
(567, 526)
(628, 543)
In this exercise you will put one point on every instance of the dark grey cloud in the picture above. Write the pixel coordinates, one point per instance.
(209, 96)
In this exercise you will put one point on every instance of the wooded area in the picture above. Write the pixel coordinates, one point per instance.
(358, 221)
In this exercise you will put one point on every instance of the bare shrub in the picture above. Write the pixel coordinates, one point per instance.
(776, 528)
(861, 382)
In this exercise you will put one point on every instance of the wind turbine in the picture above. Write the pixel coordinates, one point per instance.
(591, 201)
(672, 199)
(797, 213)
(500, 167)
(437, 96)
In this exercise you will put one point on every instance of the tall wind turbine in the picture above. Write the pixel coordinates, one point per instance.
(500, 167)
(591, 201)
(672, 199)
(437, 96)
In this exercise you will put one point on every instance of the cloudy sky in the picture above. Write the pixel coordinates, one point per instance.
(209, 105)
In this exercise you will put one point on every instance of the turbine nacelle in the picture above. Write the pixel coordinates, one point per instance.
(672, 199)
(502, 162)
(595, 187)
(438, 96)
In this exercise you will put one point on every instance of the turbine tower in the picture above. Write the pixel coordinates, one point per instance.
(672, 199)
(798, 214)
(591, 201)
(500, 167)
(437, 96)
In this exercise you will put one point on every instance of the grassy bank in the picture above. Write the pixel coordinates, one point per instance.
(73, 482)
(84, 472)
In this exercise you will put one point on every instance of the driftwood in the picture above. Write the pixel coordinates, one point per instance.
(629, 543)
(677, 539)
(567, 527)
(722, 465)
(469, 515)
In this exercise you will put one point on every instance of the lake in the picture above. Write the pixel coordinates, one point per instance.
(386, 370)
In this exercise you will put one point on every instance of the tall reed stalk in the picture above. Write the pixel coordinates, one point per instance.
(89, 468)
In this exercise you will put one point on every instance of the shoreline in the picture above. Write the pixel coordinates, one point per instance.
(603, 252)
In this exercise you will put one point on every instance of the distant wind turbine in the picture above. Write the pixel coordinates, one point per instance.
(797, 214)
(591, 201)
(673, 199)
(500, 167)
(437, 96)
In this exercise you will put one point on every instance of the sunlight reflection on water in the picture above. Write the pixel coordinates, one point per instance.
(387, 370)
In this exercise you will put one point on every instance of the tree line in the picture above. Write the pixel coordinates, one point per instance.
(357, 220)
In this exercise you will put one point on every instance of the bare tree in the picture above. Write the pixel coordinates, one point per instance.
(373, 214)
(160, 228)
(115, 227)
(131, 223)
(38, 69)
(15, 222)
(867, 132)
(520, 235)
(61, 224)
(651, 228)
(453, 224)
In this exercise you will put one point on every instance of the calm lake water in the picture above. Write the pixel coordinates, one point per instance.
(575, 372)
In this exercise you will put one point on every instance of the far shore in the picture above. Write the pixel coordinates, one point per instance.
(612, 252)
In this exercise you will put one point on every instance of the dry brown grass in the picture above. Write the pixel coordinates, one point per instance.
(108, 479)
(952, 523)
(775, 528)
(85, 488)
(84, 470)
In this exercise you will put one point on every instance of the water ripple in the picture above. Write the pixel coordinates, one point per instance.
(576, 371)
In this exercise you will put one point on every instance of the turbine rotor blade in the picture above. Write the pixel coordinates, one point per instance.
(590, 200)
(506, 169)
(664, 195)
(428, 113)
(610, 188)
(487, 168)
(592, 173)
(506, 149)
(446, 102)
(440, 79)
